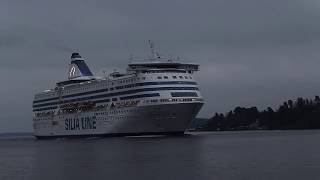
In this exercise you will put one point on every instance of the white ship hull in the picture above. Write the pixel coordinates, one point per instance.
(159, 97)
(164, 119)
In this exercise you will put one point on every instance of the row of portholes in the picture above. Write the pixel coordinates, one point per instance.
(128, 80)
(180, 99)
(113, 112)
(174, 77)
(113, 118)
(150, 101)
(41, 119)
(112, 83)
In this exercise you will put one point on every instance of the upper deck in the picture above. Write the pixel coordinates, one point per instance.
(81, 79)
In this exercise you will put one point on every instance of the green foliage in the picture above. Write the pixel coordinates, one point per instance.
(298, 114)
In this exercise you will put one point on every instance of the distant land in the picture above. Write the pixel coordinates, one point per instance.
(302, 113)
(16, 134)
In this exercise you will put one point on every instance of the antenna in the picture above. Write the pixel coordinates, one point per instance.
(152, 49)
(131, 58)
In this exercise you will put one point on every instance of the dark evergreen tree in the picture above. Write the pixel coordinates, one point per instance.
(298, 114)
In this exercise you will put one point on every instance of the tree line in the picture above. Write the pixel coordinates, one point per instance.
(292, 114)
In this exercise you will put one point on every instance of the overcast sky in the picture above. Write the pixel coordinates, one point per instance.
(251, 52)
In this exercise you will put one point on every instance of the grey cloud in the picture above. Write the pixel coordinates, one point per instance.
(10, 39)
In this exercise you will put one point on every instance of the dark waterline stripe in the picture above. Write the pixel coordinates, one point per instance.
(168, 133)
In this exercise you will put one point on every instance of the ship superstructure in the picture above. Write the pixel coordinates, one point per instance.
(153, 97)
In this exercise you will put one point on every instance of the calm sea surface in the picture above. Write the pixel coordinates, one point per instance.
(257, 155)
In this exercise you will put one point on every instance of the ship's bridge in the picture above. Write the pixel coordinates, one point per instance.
(158, 65)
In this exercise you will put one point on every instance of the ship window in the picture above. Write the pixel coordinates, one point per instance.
(186, 77)
(166, 77)
(159, 77)
(190, 77)
(174, 77)
(180, 77)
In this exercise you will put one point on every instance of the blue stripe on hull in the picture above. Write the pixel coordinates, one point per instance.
(117, 94)
(119, 87)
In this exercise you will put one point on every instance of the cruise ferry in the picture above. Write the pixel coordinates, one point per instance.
(155, 97)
